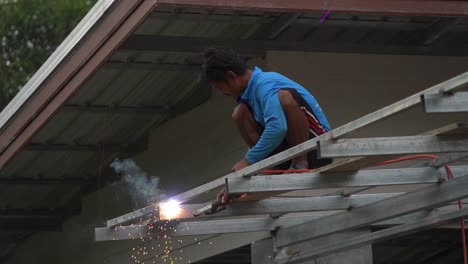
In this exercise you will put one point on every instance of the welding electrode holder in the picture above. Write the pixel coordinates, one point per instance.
(212, 208)
(215, 207)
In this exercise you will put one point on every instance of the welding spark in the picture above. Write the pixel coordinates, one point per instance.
(170, 209)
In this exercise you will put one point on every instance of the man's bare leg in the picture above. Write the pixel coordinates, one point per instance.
(250, 133)
(248, 128)
(298, 126)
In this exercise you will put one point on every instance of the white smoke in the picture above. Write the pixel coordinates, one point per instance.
(142, 188)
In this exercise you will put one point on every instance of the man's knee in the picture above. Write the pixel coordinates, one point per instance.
(240, 112)
(234, 113)
(286, 99)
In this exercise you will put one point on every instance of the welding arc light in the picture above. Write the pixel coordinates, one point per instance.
(170, 209)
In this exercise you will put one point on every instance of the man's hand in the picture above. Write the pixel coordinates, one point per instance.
(240, 165)
(223, 196)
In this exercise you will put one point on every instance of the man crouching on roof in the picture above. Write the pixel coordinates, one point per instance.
(273, 113)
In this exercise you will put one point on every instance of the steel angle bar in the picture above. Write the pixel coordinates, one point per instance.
(445, 103)
(374, 237)
(422, 199)
(420, 215)
(359, 163)
(184, 227)
(450, 85)
(187, 228)
(286, 205)
(355, 147)
(447, 159)
(326, 180)
(354, 190)
(436, 163)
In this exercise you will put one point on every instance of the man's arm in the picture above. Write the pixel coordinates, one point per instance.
(275, 128)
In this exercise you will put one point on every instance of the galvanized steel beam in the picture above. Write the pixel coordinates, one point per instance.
(447, 159)
(436, 163)
(428, 197)
(374, 237)
(282, 205)
(445, 103)
(357, 147)
(324, 180)
(184, 227)
(188, 228)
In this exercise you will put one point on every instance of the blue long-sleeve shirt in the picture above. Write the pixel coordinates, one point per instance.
(261, 95)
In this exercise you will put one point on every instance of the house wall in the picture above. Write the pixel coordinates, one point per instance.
(203, 144)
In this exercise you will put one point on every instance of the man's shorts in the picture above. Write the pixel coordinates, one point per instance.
(315, 129)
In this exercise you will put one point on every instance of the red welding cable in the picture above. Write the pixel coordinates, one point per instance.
(462, 220)
(287, 171)
(451, 177)
(424, 156)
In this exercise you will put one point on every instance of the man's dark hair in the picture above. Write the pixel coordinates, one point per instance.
(218, 61)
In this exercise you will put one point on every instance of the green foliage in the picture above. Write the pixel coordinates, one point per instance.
(30, 30)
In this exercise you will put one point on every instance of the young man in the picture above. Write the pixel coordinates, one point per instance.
(273, 112)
